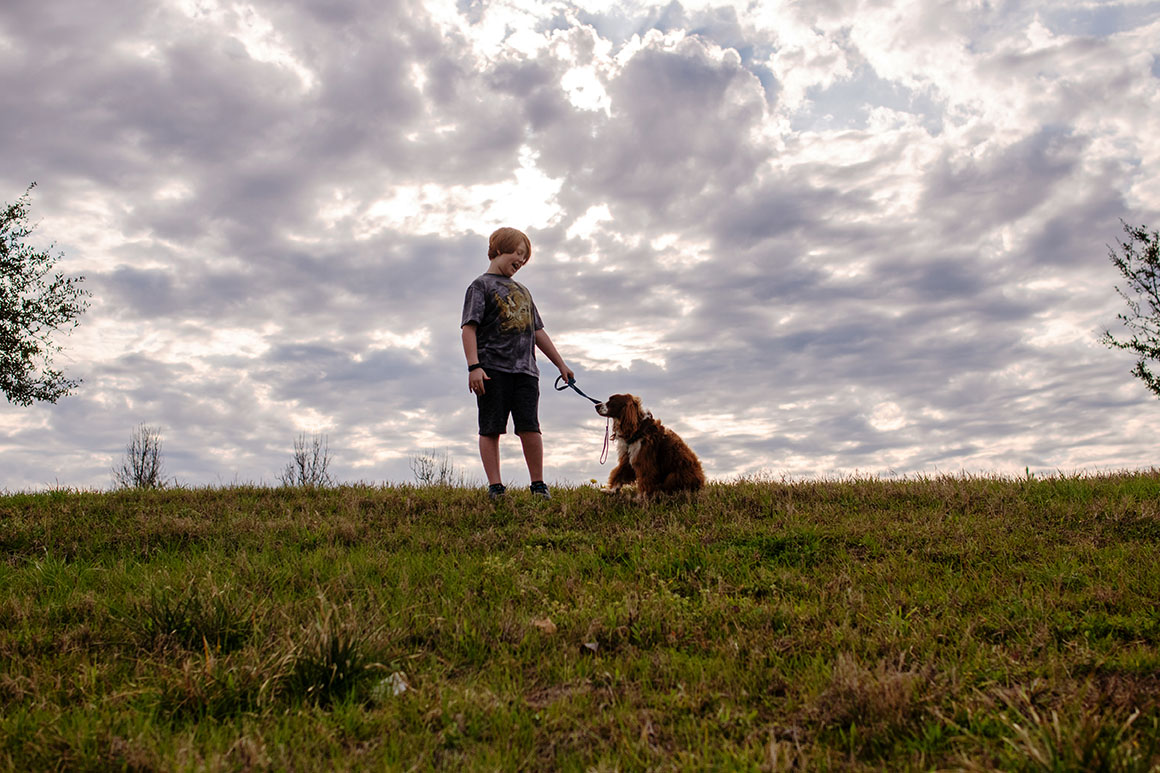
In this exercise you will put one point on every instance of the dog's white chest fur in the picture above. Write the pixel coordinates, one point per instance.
(632, 449)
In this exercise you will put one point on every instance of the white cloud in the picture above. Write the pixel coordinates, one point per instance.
(888, 417)
(584, 89)
(806, 58)
(528, 198)
(586, 224)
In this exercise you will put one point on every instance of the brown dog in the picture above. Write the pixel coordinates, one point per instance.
(650, 455)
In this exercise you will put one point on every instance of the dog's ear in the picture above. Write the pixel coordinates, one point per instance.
(630, 416)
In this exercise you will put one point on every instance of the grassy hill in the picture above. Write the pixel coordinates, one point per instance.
(963, 623)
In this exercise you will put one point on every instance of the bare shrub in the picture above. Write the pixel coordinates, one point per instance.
(436, 469)
(142, 465)
(310, 464)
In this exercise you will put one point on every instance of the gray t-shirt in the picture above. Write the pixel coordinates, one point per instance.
(506, 322)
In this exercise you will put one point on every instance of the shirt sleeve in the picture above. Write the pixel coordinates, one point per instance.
(473, 305)
(537, 323)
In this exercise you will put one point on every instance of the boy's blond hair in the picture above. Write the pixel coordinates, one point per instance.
(505, 240)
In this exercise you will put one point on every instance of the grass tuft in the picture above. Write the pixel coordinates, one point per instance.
(190, 621)
(1082, 738)
(331, 662)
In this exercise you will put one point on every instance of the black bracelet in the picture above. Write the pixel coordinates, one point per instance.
(473, 367)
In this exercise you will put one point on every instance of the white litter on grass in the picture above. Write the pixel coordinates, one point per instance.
(391, 686)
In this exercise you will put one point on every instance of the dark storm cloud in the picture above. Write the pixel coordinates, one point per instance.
(679, 127)
(746, 219)
(1005, 184)
(144, 293)
(1065, 237)
(314, 373)
(674, 114)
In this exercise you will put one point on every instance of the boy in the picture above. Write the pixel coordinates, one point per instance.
(501, 329)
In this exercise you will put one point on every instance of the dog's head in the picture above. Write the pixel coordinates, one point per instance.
(626, 411)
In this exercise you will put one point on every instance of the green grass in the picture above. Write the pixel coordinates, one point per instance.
(943, 623)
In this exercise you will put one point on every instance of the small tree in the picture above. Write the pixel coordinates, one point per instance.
(142, 465)
(310, 464)
(32, 307)
(1138, 260)
(431, 469)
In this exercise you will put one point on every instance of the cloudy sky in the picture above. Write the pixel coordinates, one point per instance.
(818, 238)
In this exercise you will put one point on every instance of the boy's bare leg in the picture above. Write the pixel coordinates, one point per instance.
(534, 453)
(489, 453)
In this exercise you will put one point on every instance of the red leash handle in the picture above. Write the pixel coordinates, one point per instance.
(604, 453)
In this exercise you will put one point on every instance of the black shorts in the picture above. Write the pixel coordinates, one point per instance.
(517, 394)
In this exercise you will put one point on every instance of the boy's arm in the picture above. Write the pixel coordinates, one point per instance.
(547, 347)
(475, 378)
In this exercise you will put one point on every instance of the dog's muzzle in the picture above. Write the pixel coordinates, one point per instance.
(602, 409)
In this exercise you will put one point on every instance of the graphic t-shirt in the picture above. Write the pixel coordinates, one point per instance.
(506, 322)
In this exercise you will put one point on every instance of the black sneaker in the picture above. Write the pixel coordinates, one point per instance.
(496, 491)
(539, 489)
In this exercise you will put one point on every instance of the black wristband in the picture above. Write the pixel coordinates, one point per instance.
(473, 367)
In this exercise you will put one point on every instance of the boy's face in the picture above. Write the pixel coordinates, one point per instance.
(509, 263)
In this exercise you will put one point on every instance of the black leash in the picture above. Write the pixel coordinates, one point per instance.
(572, 383)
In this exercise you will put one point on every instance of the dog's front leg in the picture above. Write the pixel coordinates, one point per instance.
(622, 475)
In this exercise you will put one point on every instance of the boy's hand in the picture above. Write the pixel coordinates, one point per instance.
(475, 381)
(568, 375)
